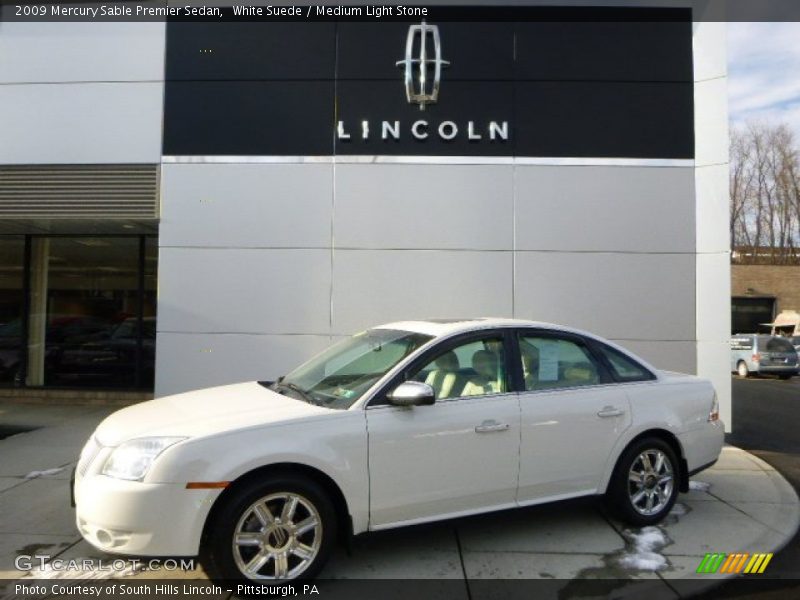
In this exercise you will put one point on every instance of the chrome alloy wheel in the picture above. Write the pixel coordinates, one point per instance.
(650, 482)
(277, 537)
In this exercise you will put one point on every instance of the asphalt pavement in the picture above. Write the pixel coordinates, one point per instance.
(766, 423)
(766, 415)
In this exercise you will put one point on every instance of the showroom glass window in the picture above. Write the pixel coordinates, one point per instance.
(90, 307)
(12, 253)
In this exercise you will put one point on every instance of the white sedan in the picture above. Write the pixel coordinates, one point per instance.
(401, 424)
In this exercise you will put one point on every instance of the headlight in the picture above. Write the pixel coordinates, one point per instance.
(132, 460)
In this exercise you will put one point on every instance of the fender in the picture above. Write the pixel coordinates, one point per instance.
(624, 441)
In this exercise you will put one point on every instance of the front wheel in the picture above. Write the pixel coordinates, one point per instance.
(282, 528)
(742, 369)
(644, 485)
(784, 377)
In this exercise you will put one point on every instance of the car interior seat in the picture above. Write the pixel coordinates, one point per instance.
(488, 378)
(445, 379)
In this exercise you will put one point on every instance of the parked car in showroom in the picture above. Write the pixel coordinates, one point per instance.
(108, 358)
(753, 354)
(401, 424)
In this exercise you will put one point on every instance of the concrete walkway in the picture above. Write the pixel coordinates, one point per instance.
(741, 505)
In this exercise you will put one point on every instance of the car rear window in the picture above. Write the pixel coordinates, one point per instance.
(778, 344)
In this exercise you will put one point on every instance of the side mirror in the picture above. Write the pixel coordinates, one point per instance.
(412, 393)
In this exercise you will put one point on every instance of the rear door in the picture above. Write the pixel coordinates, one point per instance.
(571, 412)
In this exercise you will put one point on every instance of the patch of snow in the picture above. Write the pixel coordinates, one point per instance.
(643, 550)
(648, 539)
(643, 561)
(699, 486)
(45, 473)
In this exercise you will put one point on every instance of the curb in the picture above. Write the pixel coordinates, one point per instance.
(696, 583)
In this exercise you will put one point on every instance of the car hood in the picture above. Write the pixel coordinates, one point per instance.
(205, 412)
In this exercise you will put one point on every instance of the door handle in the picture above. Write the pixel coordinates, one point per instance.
(610, 411)
(491, 426)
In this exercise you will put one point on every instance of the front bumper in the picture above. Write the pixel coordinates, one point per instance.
(141, 519)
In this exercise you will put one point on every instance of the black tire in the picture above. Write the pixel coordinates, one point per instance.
(784, 377)
(742, 370)
(217, 554)
(622, 491)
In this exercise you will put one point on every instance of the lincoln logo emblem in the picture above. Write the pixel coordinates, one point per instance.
(419, 89)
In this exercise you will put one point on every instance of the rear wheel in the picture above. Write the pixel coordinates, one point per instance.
(282, 528)
(784, 377)
(742, 369)
(644, 485)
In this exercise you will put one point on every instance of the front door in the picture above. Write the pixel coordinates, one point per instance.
(457, 456)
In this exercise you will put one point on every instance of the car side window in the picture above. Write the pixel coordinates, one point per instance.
(742, 343)
(475, 368)
(625, 369)
(552, 362)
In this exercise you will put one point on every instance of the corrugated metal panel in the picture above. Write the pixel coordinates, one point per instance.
(79, 191)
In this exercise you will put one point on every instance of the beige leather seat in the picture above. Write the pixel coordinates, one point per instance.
(488, 378)
(445, 378)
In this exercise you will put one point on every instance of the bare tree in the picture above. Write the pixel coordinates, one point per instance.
(764, 195)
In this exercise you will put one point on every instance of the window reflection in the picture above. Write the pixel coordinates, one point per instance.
(88, 324)
(12, 252)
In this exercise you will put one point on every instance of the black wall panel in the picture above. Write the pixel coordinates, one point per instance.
(605, 120)
(250, 51)
(248, 118)
(581, 88)
(598, 51)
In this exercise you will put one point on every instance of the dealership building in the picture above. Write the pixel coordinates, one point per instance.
(194, 203)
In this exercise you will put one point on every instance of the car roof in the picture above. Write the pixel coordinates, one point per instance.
(446, 327)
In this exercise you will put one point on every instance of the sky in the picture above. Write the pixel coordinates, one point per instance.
(764, 73)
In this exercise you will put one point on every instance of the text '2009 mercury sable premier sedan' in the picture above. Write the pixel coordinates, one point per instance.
(401, 424)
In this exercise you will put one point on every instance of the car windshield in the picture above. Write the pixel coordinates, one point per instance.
(344, 372)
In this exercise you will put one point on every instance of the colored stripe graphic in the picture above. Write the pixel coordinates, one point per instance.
(738, 562)
(735, 562)
(711, 562)
(758, 563)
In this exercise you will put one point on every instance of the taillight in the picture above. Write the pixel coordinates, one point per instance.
(713, 415)
(756, 357)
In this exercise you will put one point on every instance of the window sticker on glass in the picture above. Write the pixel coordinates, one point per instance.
(548, 360)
